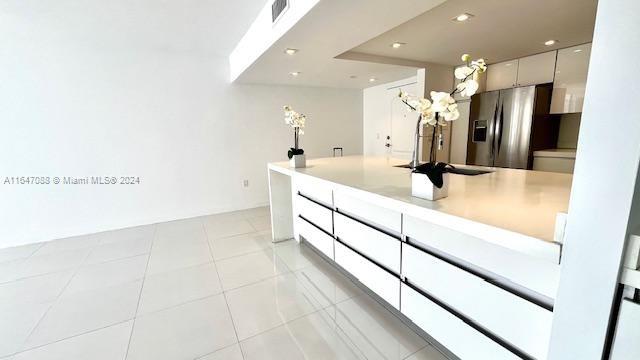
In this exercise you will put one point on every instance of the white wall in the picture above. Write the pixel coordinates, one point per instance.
(604, 182)
(80, 99)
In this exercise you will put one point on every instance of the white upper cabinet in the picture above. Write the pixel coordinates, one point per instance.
(502, 75)
(571, 79)
(536, 69)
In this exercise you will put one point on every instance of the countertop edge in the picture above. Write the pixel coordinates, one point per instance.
(532, 246)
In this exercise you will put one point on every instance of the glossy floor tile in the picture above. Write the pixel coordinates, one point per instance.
(108, 343)
(374, 330)
(98, 276)
(264, 305)
(311, 337)
(261, 223)
(114, 250)
(86, 311)
(36, 289)
(250, 268)
(17, 321)
(164, 290)
(18, 252)
(210, 288)
(186, 331)
(232, 352)
(227, 247)
(219, 229)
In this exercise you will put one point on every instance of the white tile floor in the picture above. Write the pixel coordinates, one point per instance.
(209, 288)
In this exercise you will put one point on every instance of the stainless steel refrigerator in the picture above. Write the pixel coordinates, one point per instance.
(506, 126)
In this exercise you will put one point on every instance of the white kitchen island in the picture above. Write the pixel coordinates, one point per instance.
(477, 271)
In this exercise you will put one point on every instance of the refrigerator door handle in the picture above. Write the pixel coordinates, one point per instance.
(492, 149)
(500, 128)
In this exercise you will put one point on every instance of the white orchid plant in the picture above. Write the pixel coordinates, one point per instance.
(440, 110)
(297, 122)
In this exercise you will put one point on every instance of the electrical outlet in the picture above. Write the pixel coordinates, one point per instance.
(245, 183)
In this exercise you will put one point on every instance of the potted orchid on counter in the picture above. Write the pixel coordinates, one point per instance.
(430, 180)
(296, 121)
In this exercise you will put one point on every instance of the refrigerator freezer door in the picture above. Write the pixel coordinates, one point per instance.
(513, 127)
(481, 128)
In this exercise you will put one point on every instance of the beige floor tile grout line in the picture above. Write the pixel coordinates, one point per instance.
(224, 295)
(135, 316)
(53, 303)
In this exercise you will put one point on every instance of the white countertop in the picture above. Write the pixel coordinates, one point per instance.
(519, 201)
(556, 153)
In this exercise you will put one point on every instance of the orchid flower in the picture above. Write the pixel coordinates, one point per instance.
(294, 119)
(443, 104)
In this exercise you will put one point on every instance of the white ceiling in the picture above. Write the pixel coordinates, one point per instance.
(328, 30)
(211, 26)
(500, 30)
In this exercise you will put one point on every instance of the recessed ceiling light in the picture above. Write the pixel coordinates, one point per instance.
(550, 42)
(353, 77)
(294, 73)
(372, 79)
(577, 50)
(290, 51)
(397, 45)
(462, 17)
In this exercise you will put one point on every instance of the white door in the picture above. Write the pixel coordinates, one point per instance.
(403, 123)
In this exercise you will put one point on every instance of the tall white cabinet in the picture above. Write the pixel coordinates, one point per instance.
(570, 79)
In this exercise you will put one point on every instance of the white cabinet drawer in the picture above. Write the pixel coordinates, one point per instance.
(369, 274)
(458, 337)
(315, 189)
(537, 274)
(520, 322)
(314, 213)
(375, 244)
(369, 213)
(316, 237)
(625, 343)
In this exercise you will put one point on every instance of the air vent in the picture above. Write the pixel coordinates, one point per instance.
(278, 8)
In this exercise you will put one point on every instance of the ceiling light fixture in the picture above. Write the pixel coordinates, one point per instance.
(577, 50)
(397, 45)
(462, 17)
(294, 73)
(372, 79)
(550, 42)
(290, 51)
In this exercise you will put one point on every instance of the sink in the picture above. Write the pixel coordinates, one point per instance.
(457, 170)
(469, 172)
(405, 166)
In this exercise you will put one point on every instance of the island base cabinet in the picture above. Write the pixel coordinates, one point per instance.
(372, 243)
(461, 339)
(316, 237)
(316, 214)
(378, 280)
(518, 321)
